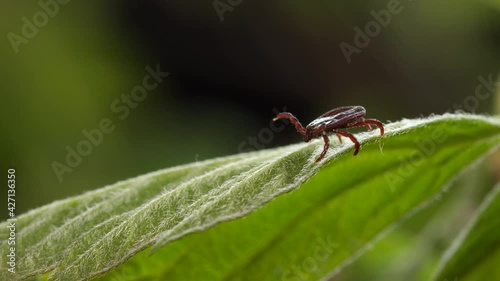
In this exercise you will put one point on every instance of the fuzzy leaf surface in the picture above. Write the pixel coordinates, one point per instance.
(268, 215)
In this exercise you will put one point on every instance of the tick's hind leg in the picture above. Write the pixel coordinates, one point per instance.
(376, 123)
(325, 148)
(338, 136)
(367, 123)
(353, 139)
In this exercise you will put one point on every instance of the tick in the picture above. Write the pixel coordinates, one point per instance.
(334, 121)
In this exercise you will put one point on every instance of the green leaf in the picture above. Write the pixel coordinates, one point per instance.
(475, 253)
(343, 206)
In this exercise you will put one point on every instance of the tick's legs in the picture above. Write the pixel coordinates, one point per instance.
(376, 123)
(325, 148)
(353, 139)
(367, 123)
(338, 136)
(292, 119)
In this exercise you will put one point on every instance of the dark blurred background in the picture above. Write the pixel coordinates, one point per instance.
(232, 65)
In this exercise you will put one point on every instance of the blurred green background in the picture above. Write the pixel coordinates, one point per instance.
(226, 77)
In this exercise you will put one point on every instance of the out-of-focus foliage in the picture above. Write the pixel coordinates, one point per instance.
(227, 80)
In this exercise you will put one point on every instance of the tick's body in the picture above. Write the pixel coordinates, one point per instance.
(334, 121)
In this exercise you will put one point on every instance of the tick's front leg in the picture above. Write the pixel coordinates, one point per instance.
(293, 119)
(325, 148)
